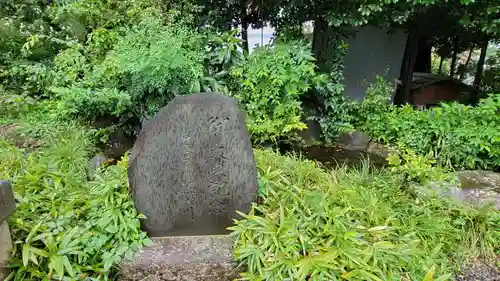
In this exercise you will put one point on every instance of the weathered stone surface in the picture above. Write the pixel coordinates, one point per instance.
(192, 167)
(479, 187)
(7, 207)
(378, 149)
(354, 141)
(5, 249)
(312, 134)
(183, 258)
(476, 188)
(7, 201)
(96, 162)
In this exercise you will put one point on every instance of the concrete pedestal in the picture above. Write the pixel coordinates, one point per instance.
(183, 258)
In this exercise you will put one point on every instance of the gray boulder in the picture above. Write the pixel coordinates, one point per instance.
(476, 188)
(192, 167)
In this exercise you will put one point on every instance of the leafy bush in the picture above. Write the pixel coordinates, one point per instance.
(335, 108)
(27, 78)
(111, 72)
(222, 54)
(14, 105)
(66, 227)
(272, 81)
(370, 114)
(355, 225)
(457, 135)
(153, 73)
(103, 102)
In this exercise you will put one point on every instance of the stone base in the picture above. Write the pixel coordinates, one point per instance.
(183, 258)
(5, 249)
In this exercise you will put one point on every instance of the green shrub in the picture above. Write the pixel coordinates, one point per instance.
(70, 66)
(14, 105)
(154, 73)
(104, 102)
(374, 108)
(107, 75)
(222, 54)
(66, 227)
(335, 108)
(27, 78)
(272, 81)
(353, 225)
(457, 135)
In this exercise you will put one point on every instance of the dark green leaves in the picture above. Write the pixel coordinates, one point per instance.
(351, 225)
(456, 135)
(66, 227)
(271, 84)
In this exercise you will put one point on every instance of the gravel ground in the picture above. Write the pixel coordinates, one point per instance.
(480, 271)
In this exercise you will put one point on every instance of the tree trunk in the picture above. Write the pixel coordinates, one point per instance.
(466, 63)
(424, 58)
(322, 47)
(454, 58)
(480, 64)
(441, 60)
(403, 95)
(244, 32)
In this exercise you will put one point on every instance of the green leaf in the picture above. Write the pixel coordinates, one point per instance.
(147, 242)
(26, 254)
(112, 228)
(430, 274)
(33, 232)
(57, 263)
(67, 266)
(377, 228)
(39, 252)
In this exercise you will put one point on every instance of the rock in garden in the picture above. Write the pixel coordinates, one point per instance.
(480, 187)
(476, 188)
(7, 201)
(191, 258)
(378, 149)
(192, 167)
(7, 207)
(96, 162)
(354, 141)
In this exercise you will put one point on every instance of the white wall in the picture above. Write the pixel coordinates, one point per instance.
(372, 51)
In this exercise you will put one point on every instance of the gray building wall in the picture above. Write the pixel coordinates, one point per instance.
(372, 51)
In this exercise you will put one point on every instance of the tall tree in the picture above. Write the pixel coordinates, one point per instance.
(480, 63)
(464, 68)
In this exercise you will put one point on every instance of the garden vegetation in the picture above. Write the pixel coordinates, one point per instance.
(67, 65)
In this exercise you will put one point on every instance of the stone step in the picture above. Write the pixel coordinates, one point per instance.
(183, 258)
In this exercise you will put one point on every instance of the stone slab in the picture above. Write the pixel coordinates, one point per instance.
(7, 201)
(183, 258)
(477, 188)
(192, 167)
(5, 249)
(354, 140)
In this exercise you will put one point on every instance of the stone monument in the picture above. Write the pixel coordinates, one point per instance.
(192, 167)
(7, 207)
